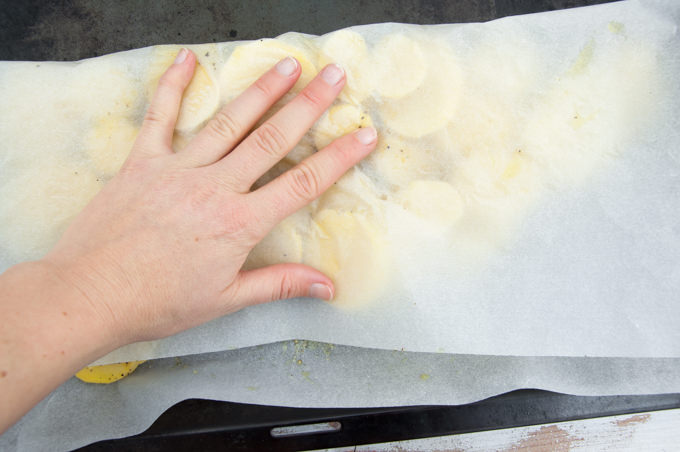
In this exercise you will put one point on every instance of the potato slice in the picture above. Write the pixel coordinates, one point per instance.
(433, 103)
(283, 243)
(348, 49)
(349, 247)
(338, 121)
(398, 162)
(107, 373)
(399, 66)
(249, 61)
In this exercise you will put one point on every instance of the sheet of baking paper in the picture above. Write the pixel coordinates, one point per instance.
(531, 208)
(308, 374)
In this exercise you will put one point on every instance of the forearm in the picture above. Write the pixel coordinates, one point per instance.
(49, 331)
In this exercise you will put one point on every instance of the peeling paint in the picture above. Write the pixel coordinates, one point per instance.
(547, 439)
(637, 419)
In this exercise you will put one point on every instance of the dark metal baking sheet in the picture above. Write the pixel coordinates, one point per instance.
(210, 425)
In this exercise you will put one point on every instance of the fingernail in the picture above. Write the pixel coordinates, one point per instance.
(321, 291)
(181, 56)
(286, 67)
(332, 74)
(366, 135)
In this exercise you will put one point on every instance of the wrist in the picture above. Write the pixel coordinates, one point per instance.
(49, 332)
(90, 324)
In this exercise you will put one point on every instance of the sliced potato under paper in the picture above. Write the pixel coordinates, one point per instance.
(339, 120)
(201, 98)
(428, 104)
(348, 49)
(249, 61)
(400, 65)
(524, 185)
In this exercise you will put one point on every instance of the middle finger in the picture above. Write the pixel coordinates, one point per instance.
(269, 143)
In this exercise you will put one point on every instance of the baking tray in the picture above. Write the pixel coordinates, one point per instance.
(210, 425)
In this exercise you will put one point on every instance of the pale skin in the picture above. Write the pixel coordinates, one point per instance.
(160, 248)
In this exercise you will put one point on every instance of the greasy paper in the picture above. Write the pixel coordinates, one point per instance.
(522, 200)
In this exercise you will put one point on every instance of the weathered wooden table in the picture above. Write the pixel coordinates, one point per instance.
(650, 431)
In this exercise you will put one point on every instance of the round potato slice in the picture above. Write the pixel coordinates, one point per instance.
(282, 244)
(399, 66)
(350, 248)
(249, 61)
(433, 103)
(397, 162)
(338, 121)
(348, 49)
(354, 191)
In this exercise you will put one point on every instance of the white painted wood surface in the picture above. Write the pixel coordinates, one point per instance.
(651, 431)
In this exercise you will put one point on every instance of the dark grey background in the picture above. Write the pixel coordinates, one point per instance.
(75, 29)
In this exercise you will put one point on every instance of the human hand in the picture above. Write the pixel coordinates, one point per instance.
(160, 248)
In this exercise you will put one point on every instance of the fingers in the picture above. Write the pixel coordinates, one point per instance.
(236, 119)
(308, 180)
(278, 282)
(160, 119)
(263, 148)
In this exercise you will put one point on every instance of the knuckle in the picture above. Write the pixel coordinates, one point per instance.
(202, 196)
(154, 116)
(270, 139)
(263, 88)
(304, 182)
(238, 221)
(311, 98)
(287, 288)
(139, 169)
(345, 151)
(168, 80)
(133, 166)
(224, 125)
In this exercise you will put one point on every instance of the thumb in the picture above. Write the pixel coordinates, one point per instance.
(281, 281)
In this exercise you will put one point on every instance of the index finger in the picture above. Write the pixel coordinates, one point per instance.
(159, 121)
(310, 178)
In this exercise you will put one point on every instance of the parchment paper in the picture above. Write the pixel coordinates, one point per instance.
(585, 256)
(592, 268)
